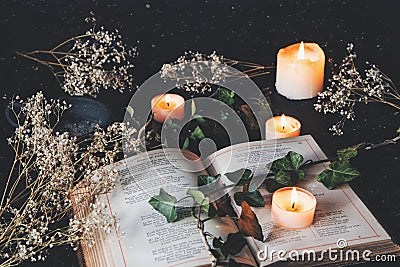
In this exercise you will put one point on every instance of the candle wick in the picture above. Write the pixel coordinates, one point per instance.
(293, 205)
(167, 104)
(283, 127)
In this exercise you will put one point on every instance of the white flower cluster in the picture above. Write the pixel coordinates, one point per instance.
(198, 77)
(90, 220)
(348, 86)
(97, 60)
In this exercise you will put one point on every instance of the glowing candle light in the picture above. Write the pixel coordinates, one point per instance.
(282, 127)
(168, 106)
(283, 122)
(300, 54)
(293, 199)
(293, 208)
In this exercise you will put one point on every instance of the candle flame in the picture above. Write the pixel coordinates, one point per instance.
(293, 199)
(300, 54)
(283, 121)
(167, 99)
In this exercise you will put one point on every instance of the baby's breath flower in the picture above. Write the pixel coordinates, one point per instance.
(48, 165)
(100, 60)
(196, 73)
(348, 86)
(193, 79)
(87, 63)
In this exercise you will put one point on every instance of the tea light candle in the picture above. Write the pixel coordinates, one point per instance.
(293, 208)
(168, 105)
(282, 127)
(300, 71)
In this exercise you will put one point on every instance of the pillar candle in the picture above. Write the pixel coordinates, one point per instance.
(300, 71)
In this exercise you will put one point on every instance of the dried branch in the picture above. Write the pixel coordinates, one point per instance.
(87, 63)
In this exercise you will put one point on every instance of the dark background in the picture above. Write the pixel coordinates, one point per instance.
(244, 30)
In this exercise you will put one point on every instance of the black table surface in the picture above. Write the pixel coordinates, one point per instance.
(245, 30)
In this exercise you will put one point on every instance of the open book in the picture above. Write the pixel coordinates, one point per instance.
(142, 237)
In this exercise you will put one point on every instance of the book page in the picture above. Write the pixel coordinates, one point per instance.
(143, 237)
(339, 213)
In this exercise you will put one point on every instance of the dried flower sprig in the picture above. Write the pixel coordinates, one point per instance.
(211, 69)
(87, 63)
(348, 86)
(35, 204)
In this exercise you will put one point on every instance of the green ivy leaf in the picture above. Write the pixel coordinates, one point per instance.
(239, 197)
(130, 110)
(289, 178)
(398, 130)
(240, 177)
(173, 123)
(254, 198)
(169, 122)
(218, 242)
(224, 117)
(175, 126)
(226, 96)
(223, 207)
(292, 161)
(165, 204)
(349, 152)
(272, 185)
(286, 169)
(132, 121)
(199, 118)
(185, 143)
(340, 172)
(165, 144)
(234, 243)
(207, 179)
(197, 134)
(200, 199)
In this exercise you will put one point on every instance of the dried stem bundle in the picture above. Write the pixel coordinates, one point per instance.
(35, 204)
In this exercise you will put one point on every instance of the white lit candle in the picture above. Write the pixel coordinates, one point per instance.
(282, 127)
(293, 208)
(300, 71)
(168, 106)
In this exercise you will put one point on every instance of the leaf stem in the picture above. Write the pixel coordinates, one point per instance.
(200, 226)
(365, 147)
